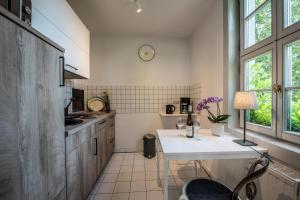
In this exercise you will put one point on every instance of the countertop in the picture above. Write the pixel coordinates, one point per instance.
(29, 28)
(69, 130)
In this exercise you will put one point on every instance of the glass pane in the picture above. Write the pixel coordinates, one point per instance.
(292, 64)
(262, 116)
(291, 12)
(251, 5)
(258, 72)
(258, 26)
(293, 111)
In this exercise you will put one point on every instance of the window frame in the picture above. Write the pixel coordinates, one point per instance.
(264, 42)
(256, 127)
(281, 30)
(285, 135)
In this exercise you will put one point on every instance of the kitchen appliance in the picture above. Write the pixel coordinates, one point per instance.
(170, 109)
(78, 100)
(20, 8)
(184, 105)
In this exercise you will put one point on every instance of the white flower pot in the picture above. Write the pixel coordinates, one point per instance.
(217, 128)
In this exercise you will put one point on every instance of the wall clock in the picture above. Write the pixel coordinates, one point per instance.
(146, 52)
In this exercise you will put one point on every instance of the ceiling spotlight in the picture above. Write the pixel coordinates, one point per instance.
(138, 6)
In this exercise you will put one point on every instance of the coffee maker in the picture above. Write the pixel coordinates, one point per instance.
(184, 105)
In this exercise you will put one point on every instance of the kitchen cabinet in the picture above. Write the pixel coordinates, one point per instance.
(87, 153)
(57, 20)
(81, 163)
(32, 141)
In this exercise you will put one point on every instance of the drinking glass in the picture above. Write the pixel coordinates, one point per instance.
(180, 124)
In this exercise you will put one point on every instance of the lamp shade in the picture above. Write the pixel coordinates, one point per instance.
(245, 101)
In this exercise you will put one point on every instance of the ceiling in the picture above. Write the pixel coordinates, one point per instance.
(169, 18)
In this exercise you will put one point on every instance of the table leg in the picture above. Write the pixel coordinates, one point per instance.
(157, 164)
(166, 178)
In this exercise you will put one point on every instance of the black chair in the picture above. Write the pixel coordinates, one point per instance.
(207, 189)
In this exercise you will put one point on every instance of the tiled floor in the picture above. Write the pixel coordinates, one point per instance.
(130, 176)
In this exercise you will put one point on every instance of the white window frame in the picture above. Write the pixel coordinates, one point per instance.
(281, 30)
(256, 127)
(264, 42)
(285, 135)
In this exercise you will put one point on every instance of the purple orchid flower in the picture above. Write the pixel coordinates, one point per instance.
(202, 105)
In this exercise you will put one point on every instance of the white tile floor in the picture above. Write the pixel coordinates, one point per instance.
(130, 176)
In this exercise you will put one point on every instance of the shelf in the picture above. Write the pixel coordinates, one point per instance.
(175, 115)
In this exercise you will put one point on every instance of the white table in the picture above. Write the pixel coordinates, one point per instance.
(178, 147)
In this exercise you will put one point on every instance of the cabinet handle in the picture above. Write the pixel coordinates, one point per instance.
(61, 71)
(96, 146)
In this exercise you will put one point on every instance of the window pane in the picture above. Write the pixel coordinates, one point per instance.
(251, 5)
(262, 116)
(258, 26)
(292, 64)
(293, 111)
(258, 72)
(291, 12)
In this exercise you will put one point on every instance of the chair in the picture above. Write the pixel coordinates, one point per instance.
(207, 189)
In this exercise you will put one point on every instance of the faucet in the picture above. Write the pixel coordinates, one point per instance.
(67, 107)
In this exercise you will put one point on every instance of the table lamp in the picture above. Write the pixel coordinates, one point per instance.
(245, 101)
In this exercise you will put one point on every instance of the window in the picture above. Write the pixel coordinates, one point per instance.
(271, 66)
(292, 86)
(258, 78)
(257, 21)
(291, 12)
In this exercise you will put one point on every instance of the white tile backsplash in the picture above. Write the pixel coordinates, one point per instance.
(144, 98)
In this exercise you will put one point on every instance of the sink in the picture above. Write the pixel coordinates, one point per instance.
(69, 122)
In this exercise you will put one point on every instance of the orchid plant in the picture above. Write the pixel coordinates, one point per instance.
(214, 118)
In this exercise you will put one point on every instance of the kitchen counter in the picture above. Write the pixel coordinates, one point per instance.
(69, 130)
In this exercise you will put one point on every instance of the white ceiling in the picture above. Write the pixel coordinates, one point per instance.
(170, 18)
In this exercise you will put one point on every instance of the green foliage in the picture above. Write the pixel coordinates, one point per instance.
(260, 78)
(263, 23)
(295, 10)
(260, 72)
(218, 119)
(263, 115)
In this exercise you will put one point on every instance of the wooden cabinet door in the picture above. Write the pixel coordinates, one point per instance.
(74, 176)
(50, 115)
(88, 162)
(31, 118)
(101, 146)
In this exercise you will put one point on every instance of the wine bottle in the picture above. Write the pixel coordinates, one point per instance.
(189, 124)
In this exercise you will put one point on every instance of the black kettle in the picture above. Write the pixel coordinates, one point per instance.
(170, 109)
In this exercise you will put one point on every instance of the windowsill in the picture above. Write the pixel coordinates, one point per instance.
(280, 150)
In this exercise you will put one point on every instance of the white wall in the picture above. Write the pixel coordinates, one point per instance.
(207, 56)
(114, 61)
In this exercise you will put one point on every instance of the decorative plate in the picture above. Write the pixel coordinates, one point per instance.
(95, 104)
(146, 52)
